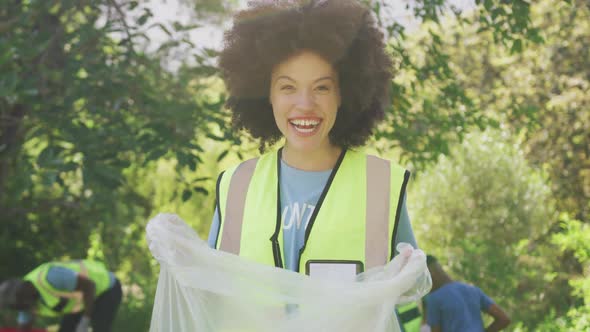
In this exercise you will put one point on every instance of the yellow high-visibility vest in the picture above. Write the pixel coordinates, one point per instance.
(56, 302)
(410, 317)
(354, 220)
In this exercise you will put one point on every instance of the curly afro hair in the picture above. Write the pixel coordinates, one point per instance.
(341, 31)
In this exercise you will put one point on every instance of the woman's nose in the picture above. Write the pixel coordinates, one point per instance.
(305, 100)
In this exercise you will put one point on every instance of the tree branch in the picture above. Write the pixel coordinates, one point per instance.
(126, 27)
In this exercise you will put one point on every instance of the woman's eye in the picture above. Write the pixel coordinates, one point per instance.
(323, 88)
(287, 87)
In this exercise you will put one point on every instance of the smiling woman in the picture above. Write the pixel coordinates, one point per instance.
(305, 97)
(342, 33)
(316, 74)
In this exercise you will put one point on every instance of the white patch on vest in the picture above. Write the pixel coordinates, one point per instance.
(293, 215)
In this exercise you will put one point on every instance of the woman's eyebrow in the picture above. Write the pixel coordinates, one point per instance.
(324, 78)
(315, 81)
(284, 77)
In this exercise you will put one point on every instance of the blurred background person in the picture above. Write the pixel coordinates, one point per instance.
(453, 306)
(83, 293)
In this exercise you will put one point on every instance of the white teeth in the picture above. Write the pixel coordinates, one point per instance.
(305, 131)
(302, 122)
(305, 126)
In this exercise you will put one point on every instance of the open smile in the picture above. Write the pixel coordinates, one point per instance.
(305, 127)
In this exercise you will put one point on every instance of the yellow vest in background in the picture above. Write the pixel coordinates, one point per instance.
(410, 317)
(56, 302)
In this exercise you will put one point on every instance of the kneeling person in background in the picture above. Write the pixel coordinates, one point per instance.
(84, 293)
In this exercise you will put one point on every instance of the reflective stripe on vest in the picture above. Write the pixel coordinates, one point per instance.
(364, 195)
(238, 189)
(55, 302)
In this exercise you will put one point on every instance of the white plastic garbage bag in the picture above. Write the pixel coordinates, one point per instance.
(205, 290)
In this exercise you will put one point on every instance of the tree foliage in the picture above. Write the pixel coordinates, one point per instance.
(81, 106)
(541, 93)
(431, 107)
(574, 240)
(476, 209)
(538, 95)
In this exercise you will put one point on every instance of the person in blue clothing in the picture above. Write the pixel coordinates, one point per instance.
(453, 306)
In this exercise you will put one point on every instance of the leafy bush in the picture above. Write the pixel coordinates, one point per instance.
(477, 209)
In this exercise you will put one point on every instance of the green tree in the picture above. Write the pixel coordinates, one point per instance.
(432, 109)
(81, 107)
(78, 106)
(540, 93)
(574, 241)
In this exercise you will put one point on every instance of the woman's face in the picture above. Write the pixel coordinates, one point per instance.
(305, 97)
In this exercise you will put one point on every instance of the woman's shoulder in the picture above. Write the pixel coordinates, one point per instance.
(370, 156)
(266, 157)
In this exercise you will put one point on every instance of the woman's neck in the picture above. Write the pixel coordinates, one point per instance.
(317, 160)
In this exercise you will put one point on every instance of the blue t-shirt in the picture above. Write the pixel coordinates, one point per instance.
(457, 307)
(300, 192)
(60, 278)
